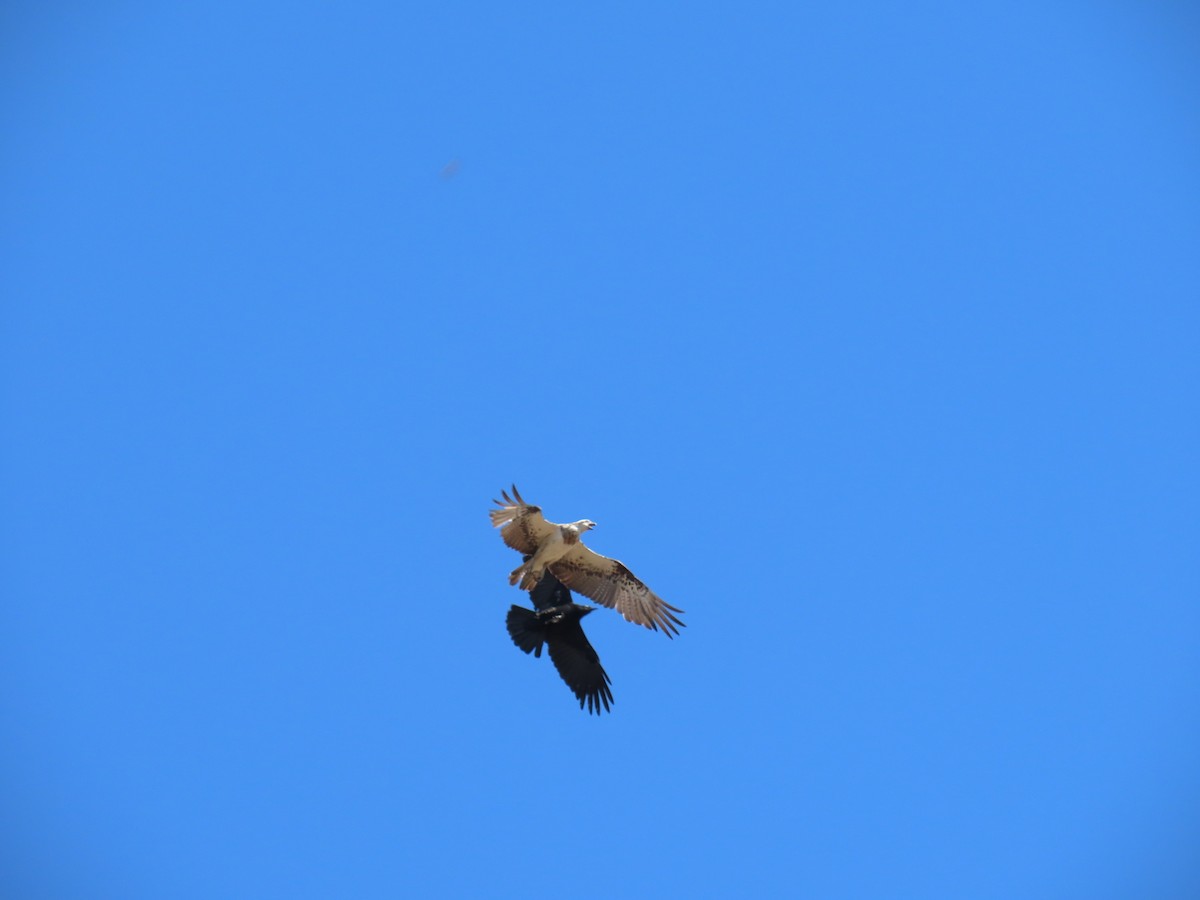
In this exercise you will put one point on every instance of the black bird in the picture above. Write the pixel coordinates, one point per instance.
(555, 622)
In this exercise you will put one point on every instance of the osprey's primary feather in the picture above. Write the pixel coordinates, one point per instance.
(557, 549)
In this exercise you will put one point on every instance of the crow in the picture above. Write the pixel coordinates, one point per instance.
(555, 622)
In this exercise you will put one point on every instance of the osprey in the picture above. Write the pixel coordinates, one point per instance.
(554, 622)
(557, 549)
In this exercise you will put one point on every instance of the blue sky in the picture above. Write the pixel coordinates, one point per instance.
(868, 333)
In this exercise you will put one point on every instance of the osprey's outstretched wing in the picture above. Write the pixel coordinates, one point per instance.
(521, 525)
(610, 584)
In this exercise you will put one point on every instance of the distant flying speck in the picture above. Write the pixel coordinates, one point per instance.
(450, 169)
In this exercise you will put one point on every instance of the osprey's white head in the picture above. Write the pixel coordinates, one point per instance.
(582, 525)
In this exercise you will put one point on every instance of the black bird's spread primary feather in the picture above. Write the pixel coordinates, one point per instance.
(555, 622)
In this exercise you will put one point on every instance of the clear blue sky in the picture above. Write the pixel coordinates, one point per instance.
(869, 333)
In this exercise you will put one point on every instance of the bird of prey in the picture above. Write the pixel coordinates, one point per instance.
(557, 549)
(554, 622)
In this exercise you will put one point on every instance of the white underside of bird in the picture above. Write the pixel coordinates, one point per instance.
(557, 545)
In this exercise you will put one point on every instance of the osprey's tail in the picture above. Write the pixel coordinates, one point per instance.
(525, 630)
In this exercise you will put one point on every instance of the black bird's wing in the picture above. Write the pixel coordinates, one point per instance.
(549, 593)
(577, 662)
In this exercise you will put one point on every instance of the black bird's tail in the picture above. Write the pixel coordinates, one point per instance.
(525, 630)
